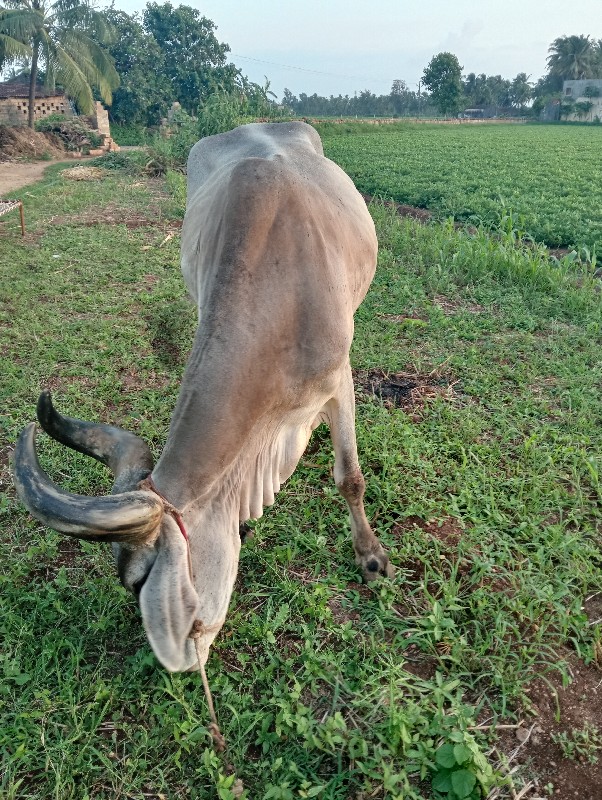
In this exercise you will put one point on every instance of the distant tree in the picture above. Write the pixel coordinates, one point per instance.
(547, 85)
(442, 77)
(574, 58)
(591, 91)
(65, 38)
(401, 98)
(194, 61)
(520, 90)
(289, 100)
(499, 91)
(478, 90)
(145, 92)
(583, 108)
(367, 104)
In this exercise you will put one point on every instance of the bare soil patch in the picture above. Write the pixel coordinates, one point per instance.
(112, 214)
(15, 175)
(557, 748)
(403, 210)
(452, 307)
(446, 532)
(24, 143)
(403, 389)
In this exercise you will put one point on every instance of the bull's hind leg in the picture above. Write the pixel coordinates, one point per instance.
(369, 553)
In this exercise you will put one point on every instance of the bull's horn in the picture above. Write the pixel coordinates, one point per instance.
(125, 454)
(128, 517)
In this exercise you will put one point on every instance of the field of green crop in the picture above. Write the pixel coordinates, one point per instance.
(549, 177)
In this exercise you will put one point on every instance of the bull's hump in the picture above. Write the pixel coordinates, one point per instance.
(257, 140)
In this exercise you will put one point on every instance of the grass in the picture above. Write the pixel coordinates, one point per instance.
(486, 493)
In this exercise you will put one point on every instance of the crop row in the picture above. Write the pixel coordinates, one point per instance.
(549, 177)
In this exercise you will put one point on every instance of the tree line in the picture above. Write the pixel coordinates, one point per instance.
(444, 89)
(140, 64)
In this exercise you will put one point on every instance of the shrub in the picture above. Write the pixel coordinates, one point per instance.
(119, 161)
(129, 135)
(72, 130)
(221, 112)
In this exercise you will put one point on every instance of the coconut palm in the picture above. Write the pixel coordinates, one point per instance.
(63, 37)
(11, 49)
(573, 57)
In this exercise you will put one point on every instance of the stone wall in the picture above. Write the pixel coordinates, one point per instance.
(14, 110)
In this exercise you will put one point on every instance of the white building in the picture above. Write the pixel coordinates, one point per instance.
(586, 94)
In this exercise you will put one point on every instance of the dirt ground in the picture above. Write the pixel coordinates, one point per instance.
(24, 156)
(15, 175)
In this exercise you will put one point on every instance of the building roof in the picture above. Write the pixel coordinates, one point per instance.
(21, 89)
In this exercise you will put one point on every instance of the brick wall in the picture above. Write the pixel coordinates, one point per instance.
(14, 110)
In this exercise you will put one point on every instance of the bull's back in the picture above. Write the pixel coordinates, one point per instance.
(266, 207)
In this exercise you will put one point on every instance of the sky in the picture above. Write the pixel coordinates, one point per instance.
(345, 46)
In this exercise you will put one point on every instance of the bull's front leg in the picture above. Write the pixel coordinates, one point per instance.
(369, 553)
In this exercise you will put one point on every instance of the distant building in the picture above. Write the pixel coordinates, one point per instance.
(583, 93)
(14, 103)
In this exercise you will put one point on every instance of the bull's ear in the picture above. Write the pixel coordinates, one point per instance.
(168, 601)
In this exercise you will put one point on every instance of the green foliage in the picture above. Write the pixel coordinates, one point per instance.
(124, 162)
(193, 60)
(145, 92)
(172, 55)
(583, 108)
(169, 148)
(442, 77)
(591, 91)
(478, 174)
(74, 131)
(221, 112)
(461, 770)
(575, 58)
(129, 135)
(401, 101)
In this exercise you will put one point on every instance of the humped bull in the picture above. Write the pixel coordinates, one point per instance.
(278, 251)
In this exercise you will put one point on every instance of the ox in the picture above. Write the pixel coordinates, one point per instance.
(278, 251)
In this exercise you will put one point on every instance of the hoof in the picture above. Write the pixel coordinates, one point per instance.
(245, 532)
(377, 566)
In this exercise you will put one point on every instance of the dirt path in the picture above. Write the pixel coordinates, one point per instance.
(14, 175)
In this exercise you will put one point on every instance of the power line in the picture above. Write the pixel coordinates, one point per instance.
(313, 71)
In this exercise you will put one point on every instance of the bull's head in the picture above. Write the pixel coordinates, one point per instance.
(152, 554)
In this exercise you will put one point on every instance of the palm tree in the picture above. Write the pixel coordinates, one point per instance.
(572, 57)
(11, 49)
(62, 36)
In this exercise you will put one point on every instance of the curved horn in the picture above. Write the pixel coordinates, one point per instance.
(128, 517)
(125, 454)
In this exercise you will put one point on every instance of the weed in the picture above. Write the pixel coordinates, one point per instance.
(583, 744)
